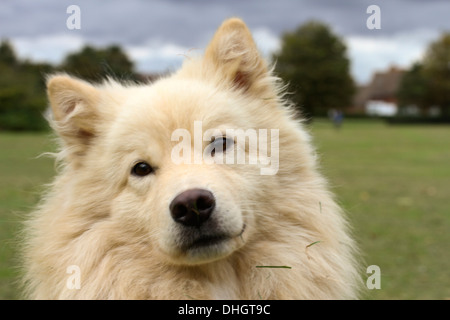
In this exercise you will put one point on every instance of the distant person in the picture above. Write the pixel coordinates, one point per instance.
(337, 116)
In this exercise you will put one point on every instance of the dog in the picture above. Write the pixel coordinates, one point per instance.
(140, 211)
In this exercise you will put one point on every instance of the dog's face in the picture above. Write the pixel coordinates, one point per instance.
(194, 212)
(155, 148)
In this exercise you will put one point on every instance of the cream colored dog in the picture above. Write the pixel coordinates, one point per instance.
(124, 220)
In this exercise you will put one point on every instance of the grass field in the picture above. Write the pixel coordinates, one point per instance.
(394, 182)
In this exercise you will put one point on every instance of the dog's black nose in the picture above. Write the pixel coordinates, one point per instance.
(192, 207)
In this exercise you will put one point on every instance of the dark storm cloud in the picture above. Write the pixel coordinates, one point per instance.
(158, 33)
(190, 23)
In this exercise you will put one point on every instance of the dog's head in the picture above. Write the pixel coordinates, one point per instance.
(167, 161)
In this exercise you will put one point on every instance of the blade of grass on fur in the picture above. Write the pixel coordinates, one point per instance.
(311, 244)
(276, 267)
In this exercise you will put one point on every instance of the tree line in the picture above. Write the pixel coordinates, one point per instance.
(312, 60)
(23, 98)
(427, 83)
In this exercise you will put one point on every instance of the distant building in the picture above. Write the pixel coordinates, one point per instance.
(380, 108)
(379, 98)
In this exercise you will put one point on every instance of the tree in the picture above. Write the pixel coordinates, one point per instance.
(7, 54)
(313, 62)
(436, 70)
(96, 64)
(22, 92)
(413, 89)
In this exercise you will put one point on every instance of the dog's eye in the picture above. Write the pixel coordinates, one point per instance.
(220, 144)
(141, 169)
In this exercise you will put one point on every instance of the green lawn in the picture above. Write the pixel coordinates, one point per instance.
(22, 174)
(394, 182)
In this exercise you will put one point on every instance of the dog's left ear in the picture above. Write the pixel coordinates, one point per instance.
(233, 53)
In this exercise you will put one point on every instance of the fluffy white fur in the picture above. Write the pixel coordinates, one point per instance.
(117, 227)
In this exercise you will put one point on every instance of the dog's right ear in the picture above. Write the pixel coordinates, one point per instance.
(74, 106)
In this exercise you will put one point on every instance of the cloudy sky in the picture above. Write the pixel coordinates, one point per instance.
(157, 34)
